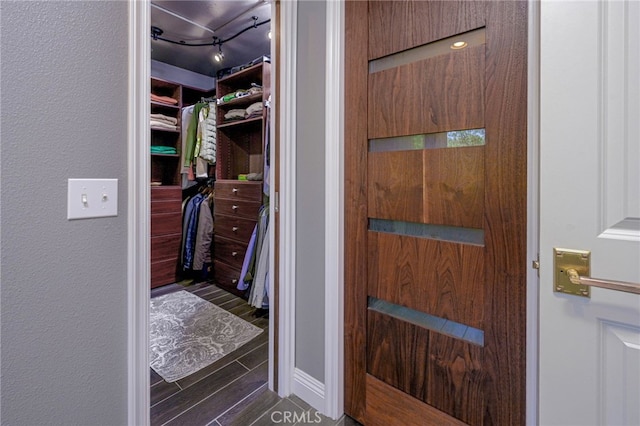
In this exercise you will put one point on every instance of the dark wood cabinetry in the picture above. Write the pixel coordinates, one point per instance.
(240, 152)
(166, 233)
(167, 99)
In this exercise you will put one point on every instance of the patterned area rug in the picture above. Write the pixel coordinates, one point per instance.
(188, 333)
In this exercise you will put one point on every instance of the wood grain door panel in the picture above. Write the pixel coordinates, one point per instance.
(397, 27)
(437, 186)
(436, 277)
(435, 310)
(429, 96)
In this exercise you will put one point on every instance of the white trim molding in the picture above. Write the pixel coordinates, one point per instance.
(287, 197)
(533, 207)
(273, 197)
(309, 389)
(333, 406)
(138, 228)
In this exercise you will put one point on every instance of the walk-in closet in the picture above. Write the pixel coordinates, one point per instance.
(209, 176)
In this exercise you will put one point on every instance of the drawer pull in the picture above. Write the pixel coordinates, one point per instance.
(234, 190)
(235, 228)
(234, 281)
(234, 208)
(234, 253)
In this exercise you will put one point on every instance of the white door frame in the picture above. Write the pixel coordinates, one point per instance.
(138, 213)
(533, 209)
(139, 198)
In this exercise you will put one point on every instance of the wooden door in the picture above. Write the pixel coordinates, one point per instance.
(590, 201)
(435, 221)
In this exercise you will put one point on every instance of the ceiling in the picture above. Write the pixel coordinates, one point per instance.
(197, 22)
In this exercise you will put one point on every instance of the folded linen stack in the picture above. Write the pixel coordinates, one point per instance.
(159, 149)
(163, 99)
(253, 111)
(238, 94)
(163, 121)
(235, 114)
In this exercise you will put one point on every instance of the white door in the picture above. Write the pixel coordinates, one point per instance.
(589, 348)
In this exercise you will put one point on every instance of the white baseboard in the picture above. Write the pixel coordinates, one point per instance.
(309, 389)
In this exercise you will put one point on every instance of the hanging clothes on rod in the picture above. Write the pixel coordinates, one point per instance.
(254, 277)
(197, 230)
(200, 144)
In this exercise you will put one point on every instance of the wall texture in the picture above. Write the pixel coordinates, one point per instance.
(63, 283)
(310, 178)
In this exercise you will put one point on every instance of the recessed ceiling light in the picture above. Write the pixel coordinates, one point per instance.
(459, 45)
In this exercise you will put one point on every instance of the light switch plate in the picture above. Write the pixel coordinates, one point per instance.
(88, 198)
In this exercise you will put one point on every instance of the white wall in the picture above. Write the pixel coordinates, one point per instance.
(310, 178)
(63, 283)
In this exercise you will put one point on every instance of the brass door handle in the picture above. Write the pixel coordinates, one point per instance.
(627, 287)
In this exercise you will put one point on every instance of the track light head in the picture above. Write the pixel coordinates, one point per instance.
(219, 56)
(156, 32)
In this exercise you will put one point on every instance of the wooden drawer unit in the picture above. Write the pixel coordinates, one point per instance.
(229, 251)
(163, 272)
(234, 228)
(227, 277)
(165, 247)
(166, 223)
(239, 190)
(236, 212)
(164, 193)
(166, 234)
(239, 208)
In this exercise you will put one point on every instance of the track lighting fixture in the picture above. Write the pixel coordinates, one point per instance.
(156, 34)
(219, 56)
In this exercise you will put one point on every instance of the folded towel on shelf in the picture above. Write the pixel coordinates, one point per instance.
(166, 118)
(255, 110)
(162, 124)
(163, 99)
(159, 149)
(235, 114)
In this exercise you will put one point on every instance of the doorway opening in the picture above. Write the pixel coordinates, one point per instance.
(209, 207)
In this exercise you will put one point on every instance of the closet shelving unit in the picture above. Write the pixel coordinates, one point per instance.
(240, 151)
(166, 190)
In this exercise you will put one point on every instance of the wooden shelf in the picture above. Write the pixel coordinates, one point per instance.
(165, 155)
(162, 129)
(243, 101)
(240, 151)
(239, 122)
(155, 103)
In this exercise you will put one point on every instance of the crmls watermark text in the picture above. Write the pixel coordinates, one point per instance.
(292, 417)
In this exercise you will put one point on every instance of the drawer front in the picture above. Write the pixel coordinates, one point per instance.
(239, 190)
(235, 228)
(166, 223)
(241, 208)
(160, 193)
(226, 276)
(165, 247)
(163, 272)
(229, 251)
(168, 206)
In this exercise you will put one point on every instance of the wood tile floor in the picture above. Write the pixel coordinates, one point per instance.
(232, 390)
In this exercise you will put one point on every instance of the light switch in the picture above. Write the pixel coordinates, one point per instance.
(87, 198)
